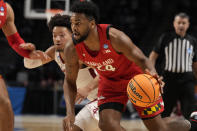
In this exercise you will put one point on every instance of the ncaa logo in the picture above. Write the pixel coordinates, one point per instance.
(2, 9)
(189, 50)
(105, 46)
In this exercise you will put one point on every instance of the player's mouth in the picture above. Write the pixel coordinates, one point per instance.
(76, 34)
(58, 44)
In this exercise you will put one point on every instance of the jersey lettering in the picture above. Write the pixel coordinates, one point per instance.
(106, 68)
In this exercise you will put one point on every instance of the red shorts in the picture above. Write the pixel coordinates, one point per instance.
(112, 91)
(151, 111)
(116, 92)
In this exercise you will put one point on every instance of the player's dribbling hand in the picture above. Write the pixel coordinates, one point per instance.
(158, 78)
(68, 122)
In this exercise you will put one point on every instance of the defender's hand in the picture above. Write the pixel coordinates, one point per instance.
(37, 54)
(28, 46)
(68, 122)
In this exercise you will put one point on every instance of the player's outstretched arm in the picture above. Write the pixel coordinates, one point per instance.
(34, 63)
(123, 44)
(13, 37)
(70, 89)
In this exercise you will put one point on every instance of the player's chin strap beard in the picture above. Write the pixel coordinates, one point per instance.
(83, 37)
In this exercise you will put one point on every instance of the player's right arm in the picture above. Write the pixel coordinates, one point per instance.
(34, 63)
(70, 88)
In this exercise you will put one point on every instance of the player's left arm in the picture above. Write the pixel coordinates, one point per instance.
(13, 37)
(123, 44)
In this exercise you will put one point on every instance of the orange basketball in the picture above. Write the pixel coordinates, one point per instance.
(143, 90)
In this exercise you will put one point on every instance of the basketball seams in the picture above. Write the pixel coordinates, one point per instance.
(135, 97)
(142, 89)
(140, 92)
(152, 86)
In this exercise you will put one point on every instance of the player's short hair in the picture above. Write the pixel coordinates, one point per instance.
(182, 15)
(59, 20)
(89, 9)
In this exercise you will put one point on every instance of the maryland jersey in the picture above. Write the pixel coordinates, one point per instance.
(3, 13)
(115, 71)
(84, 76)
(108, 63)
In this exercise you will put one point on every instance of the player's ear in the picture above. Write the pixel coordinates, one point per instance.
(92, 24)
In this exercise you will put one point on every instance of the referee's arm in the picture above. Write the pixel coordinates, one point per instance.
(155, 52)
(194, 64)
(195, 69)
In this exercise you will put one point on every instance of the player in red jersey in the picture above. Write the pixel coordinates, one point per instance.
(15, 41)
(113, 55)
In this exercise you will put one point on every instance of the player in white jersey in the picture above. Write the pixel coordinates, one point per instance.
(87, 118)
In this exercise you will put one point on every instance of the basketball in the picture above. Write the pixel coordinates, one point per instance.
(143, 90)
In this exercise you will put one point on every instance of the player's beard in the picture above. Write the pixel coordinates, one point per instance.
(82, 38)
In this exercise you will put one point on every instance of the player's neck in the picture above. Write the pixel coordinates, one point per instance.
(92, 41)
(61, 53)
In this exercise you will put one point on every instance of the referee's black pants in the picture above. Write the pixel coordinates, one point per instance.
(179, 87)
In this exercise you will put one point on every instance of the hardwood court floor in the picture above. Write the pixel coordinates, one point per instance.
(54, 123)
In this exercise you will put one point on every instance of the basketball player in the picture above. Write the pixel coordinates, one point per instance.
(87, 118)
(9, 29)
(113, 55)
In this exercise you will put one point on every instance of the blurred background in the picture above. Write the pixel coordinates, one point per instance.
(39, 91)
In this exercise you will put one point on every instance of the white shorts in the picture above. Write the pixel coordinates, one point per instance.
(87, 119)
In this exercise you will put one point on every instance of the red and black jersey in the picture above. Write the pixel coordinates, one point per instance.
(3, 13)
(108, 63)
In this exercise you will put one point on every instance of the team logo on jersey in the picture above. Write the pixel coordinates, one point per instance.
(106, 51)
(2, 9)
(105, 46)
(189, 50)
(101, 98)
(1, 14)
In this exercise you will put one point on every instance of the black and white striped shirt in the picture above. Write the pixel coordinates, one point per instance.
(178, 53)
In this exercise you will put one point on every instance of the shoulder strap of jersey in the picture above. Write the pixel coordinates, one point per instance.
(105, 28)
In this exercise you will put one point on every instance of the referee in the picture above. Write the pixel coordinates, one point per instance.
(178, 53)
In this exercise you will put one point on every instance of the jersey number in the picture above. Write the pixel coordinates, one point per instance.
(106, 68)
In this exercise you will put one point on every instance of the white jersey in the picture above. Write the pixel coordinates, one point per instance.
(83, 78)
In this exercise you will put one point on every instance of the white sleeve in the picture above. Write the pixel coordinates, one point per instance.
(32, 63)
